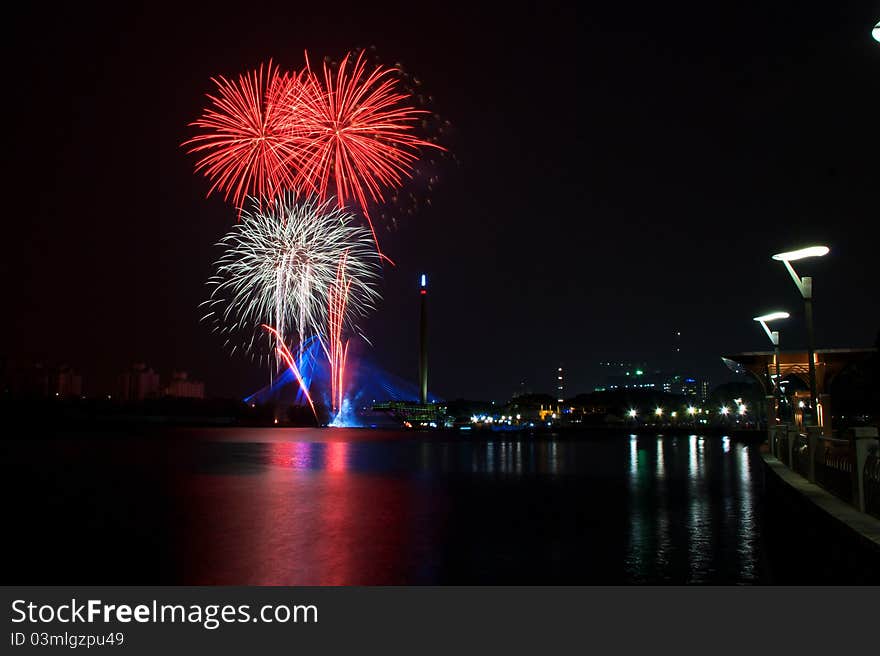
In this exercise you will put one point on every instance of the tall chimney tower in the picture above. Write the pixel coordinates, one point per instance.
(423, 341)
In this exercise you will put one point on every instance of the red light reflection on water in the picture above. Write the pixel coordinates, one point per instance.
(303, 519)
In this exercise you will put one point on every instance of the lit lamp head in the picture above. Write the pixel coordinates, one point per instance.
(805, 285)
(803, 253)
(773, 316)
(876, 32)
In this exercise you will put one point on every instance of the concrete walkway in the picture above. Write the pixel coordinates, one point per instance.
(862, 523)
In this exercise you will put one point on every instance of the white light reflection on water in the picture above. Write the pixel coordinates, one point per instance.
(633, 459)
(638, 549)
(661, 465)
(663, 539)
(699, 517)
(747, 519)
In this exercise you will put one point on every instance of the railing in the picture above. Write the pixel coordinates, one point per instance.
(872, 484)
(834, 472)
(782, 449)
(800, 456)
(847, 468)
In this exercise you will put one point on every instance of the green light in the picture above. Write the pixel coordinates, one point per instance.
(639, 372)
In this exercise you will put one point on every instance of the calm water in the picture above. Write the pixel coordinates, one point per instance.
(341, 506)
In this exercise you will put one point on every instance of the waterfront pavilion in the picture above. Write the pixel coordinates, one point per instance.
(795, 364)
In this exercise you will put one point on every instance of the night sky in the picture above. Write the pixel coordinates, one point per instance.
(625, 170)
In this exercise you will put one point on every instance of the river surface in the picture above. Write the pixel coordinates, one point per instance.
(276, 506)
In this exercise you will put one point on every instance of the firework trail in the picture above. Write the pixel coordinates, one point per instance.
(354, 137)
(334, 348)
(246, 142)
(284, 353)
(279, 267)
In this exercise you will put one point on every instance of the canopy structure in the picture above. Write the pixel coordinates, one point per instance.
(796, 364)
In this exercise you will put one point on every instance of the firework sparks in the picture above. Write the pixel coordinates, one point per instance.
(280, 267)
(347, 133)
(355, 138)
(246, 143)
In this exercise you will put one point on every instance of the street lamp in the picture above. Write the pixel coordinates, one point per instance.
(774, 338)
(876, 32)
(805, 286)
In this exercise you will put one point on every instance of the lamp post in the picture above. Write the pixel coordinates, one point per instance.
(805, 286)
(774, 338)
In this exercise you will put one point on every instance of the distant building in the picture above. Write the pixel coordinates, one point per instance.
(65, 383)
(625, 375)
(183, 388)
(35, 380)
(560, 388)
(24, 379)
(138, 383)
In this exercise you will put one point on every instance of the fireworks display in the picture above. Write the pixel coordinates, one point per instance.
(346, 133)
(244, 144)
(300, 154)
(280, 267)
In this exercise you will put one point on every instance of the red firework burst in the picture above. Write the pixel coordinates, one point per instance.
(352, 135)
(245, 146)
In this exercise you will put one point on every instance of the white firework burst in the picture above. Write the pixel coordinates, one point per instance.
(279, 265)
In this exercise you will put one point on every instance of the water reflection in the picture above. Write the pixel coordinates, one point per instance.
(434, 508)
(691, 514)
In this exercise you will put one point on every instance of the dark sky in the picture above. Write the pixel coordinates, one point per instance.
(626, 170)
